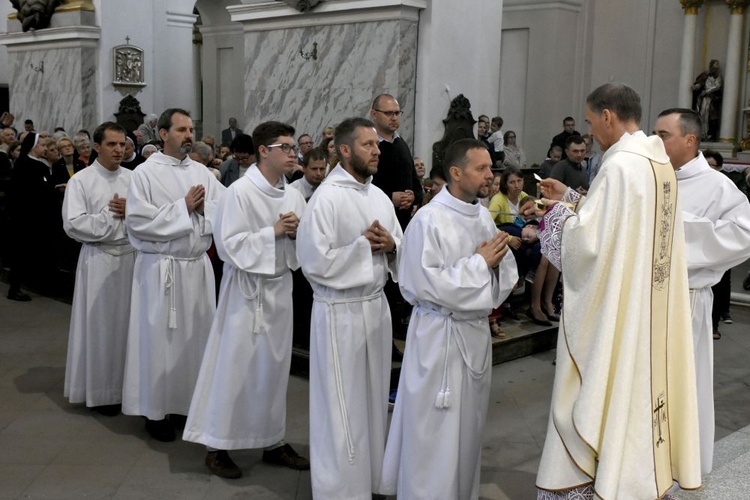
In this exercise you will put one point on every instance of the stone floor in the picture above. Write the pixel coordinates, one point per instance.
(51, 449)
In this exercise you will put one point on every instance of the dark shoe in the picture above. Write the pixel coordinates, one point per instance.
(717, 335)
(540, 322)
(220, 464)
(108, 410)
(726, 318)
(396, 355)
(161, 430)
(551, 316)
(286, 456)
(19, 296)
(177, 421)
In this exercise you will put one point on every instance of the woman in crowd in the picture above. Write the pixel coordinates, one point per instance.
(485, 202)
(504, 208)
(69, 163)
(130, 157)
(83, 146)
(514, 155)
(148, 150)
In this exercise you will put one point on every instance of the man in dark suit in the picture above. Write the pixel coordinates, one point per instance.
(569, 129)
(229, 134)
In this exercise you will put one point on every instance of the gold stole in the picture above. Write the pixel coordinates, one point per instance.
(666, 197)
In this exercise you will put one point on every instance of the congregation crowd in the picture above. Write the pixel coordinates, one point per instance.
(200, 263)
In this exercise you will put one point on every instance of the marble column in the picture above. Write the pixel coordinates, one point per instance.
(314, 69)
(729, 106)
(53, 70)
(687, 62)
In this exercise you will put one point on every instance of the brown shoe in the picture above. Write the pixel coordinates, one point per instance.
(286, 456)
(219, 463)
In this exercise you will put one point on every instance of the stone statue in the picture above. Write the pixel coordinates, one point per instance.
(302, 5)
(459, 124)
(707, 93)
(35, 14)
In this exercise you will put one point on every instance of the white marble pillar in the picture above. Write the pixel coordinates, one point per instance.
(729, 106)
(53, 79)
(364, 48)
(687, 62)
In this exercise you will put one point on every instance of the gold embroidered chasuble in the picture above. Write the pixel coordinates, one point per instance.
(624, 413)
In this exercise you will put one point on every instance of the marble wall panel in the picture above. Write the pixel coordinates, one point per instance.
(63, 95)
(355, 63)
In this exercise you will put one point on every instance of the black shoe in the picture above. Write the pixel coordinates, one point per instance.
(161, 430)
(286, 456)
(726, 318)
(19, 296)
(177, 421)
(396, 355)
(220, 464)
(540, 322)
(552, 316)
(108, 410)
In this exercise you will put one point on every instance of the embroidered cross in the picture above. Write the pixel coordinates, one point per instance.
(659, 415)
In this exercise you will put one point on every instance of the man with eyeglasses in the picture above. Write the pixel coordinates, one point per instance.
(396, 175)
(240, 399)
(398, 179)
(243, 155)
(347, 245)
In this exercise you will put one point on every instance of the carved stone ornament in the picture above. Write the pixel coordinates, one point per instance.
(35, 14)
(302, 5)
(127, 66)
(691, 6)
(737, 6)
(129, 114)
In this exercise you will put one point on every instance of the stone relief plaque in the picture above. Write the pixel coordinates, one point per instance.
(127, 66)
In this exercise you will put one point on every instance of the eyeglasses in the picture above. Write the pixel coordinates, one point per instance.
(390, 114)
(285, 148)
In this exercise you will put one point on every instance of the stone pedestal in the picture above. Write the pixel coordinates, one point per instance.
(364, 48)
(54, 76)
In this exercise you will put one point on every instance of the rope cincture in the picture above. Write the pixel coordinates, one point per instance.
(337, 363)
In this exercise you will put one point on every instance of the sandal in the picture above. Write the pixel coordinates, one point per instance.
(497, 332)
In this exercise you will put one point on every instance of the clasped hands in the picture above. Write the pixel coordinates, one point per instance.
(494, 250)
(195, 199)
(380, 239)
(403, 199)
(117, 207)
(286, 225)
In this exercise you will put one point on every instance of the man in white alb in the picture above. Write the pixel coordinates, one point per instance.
(240, 397)
(94, 213)
(169, 214)
(454, 269)
(347, 244)
(716, 216)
